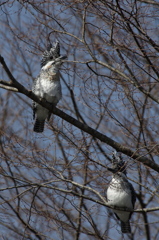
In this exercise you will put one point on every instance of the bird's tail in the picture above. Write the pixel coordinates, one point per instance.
(39, 126)
(125, 227)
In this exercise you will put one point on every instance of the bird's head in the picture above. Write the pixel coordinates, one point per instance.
(51, 57)
(54, 65)
(118, 165)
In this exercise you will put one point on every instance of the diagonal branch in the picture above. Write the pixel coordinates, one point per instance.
(82, 126)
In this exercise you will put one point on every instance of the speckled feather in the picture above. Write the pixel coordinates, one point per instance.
(120, 192)
(47, 84)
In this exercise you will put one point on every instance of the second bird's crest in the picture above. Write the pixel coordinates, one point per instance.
(118, 164)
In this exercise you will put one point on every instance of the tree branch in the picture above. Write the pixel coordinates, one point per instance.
(103, 138)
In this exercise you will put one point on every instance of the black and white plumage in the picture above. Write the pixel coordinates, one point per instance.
(47, 85)
(51, 53)
(121, 193)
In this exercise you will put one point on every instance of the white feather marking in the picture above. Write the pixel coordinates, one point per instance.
(116, 196)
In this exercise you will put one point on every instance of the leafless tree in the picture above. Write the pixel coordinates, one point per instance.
(53, 185)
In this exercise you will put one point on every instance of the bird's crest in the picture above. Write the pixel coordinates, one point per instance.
(51, 53)
(118, 163)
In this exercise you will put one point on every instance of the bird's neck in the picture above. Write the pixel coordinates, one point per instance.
(50, 68)
(119, 176)
(54, 69)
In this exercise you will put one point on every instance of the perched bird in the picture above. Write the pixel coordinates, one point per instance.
(120, 192)
(47, 85)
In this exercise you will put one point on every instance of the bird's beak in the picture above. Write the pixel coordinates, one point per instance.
(63, 57)
(112, 170)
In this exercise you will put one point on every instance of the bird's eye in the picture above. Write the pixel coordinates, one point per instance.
(51, 58)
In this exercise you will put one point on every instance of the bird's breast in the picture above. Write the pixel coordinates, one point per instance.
(48, 89)
(118, 194)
